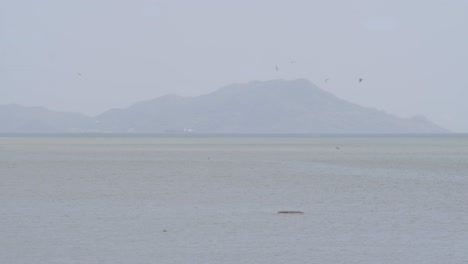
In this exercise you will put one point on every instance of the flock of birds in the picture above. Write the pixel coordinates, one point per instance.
(276, 67)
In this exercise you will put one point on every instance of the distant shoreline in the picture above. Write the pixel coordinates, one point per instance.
(202, 135)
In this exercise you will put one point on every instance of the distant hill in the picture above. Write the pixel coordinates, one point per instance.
(276, 106)
(20, 119)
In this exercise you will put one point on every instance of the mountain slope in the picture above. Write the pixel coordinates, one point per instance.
(20, 119)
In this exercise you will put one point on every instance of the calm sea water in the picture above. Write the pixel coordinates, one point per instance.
(214, 199)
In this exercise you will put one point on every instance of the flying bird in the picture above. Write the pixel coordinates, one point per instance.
(293, 61)
(326, 80)
(276, 67)
(360, 80)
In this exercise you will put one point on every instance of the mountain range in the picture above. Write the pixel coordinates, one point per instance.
(277, 106)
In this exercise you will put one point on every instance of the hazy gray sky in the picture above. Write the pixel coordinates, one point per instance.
(91, 55)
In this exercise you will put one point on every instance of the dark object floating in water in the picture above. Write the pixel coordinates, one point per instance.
(290, 212)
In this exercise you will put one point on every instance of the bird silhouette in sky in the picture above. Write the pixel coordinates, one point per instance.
(360, 80)
(276, 66)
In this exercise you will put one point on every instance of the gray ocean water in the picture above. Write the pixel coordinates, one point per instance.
(113, 200)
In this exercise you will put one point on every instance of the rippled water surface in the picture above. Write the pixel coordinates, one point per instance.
(214, 199)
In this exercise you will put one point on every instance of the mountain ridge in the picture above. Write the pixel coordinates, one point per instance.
(258, 107)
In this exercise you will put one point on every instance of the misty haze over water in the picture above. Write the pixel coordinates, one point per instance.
(157, 131)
